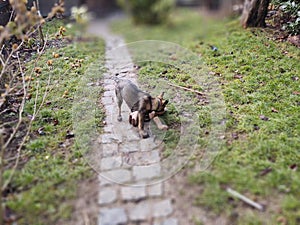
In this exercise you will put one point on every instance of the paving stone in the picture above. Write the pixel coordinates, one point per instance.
(133, 193)
(107, 100)
(108, 129)
(128, 147)
(109, 149)
(111, 163)
(109, 87)
(110, 109)
(140, 212)
(108, 81)
(107, 195)
(104, 181)
(170, 221)
(109, 120)
(114, 216)
(143, 158)
(150, 157)
(148, 144)
(146, 172)
(162, 208)
(155, 190)
(109, 138)
(132, 134)
(109, 94)
(119, 176)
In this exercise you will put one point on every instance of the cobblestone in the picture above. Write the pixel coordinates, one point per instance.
(107, 100)
(170, 221)
(109, 109)
(108, 129)
(147, 144)
(130, 193)
(146, 172)
(109, 149)
(129, 147)
(140, 212)
(118, 176)
(155, 190)
(109, 138)
(109, 94)
(114, 216)
(109, 87)
(163, 208)
(107, 195)
(111, 163)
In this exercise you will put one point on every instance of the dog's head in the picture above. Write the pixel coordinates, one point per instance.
(159, 104)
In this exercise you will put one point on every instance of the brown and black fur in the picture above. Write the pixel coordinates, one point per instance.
(146, 106)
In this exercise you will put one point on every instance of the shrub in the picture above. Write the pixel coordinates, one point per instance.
(148, 11)
(290, 14)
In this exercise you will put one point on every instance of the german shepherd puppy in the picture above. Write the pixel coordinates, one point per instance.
(143, 107)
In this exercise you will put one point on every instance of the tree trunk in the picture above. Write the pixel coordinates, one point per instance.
(254, 13)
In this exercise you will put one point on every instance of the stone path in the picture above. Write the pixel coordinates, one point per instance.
(130, 191)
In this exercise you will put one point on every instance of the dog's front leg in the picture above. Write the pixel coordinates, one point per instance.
(119, 101)
(159, 124)
(142, 132)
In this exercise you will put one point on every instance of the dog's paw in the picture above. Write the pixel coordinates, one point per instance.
(119, 118)
(133, 119)
(144, 134)
(152, 115)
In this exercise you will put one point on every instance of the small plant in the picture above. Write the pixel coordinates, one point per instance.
(289, 11)
(80, 15)
(148, 11)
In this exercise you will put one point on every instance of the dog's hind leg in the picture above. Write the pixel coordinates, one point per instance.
(119, 101)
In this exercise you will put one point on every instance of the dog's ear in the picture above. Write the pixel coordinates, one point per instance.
(165, 102)
(161, 96)
(146, 98)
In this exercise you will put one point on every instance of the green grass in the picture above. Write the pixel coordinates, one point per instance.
(260, 83)
(48, 181)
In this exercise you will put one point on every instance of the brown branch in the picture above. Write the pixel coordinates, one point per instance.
(35, 112)
(36, 4)
(15, 130)
(6, 63)
(187, 89)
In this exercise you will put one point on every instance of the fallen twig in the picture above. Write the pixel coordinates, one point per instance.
(187, 89)
(245, 199)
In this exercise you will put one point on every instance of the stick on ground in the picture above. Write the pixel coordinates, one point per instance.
(187, 89)
(245, 199)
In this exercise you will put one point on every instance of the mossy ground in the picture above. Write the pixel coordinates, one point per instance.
(260, 83)
(53, 165)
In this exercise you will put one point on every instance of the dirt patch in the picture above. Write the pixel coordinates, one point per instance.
(85, 205)
(183, 198)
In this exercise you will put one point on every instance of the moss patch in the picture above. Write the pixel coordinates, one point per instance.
(260, 83)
